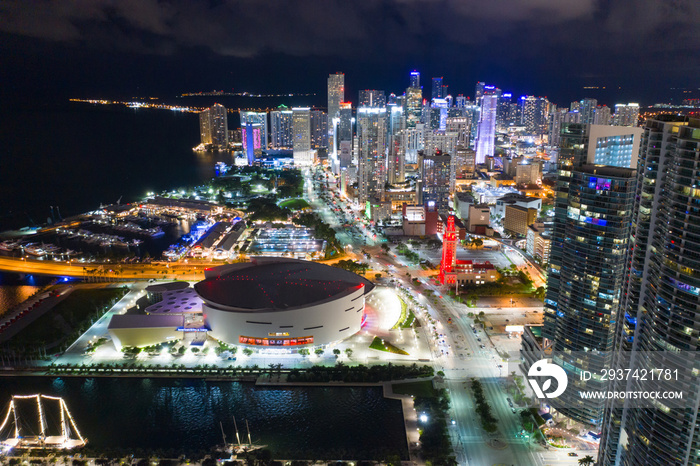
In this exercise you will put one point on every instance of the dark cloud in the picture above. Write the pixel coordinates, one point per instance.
(528, 43)
(243, 28)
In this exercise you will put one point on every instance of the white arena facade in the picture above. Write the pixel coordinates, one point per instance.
(282, 303)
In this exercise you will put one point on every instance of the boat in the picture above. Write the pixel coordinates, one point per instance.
(17, 432)
(9, 245)
(34, 250)
(238, 448)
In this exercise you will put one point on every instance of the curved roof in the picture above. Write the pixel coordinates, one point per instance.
(276, 284)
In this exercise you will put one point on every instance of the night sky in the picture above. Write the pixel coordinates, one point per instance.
(640, 50)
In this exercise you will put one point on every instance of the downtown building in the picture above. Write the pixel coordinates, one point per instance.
(301, 129)
(213, 127)
(281, 128)
(336, 95)
(371, 154)
(594, 199)
(661, 306)
(486, 134)
(433, 188)
(253, 134)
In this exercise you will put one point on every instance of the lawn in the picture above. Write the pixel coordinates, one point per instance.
(294, 204)
(407, 319)
(76, 312)
(383, 345)
(423, 388)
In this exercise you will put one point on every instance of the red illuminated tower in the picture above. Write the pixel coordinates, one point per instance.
(449, 251)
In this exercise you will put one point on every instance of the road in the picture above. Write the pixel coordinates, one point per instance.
(103, 271)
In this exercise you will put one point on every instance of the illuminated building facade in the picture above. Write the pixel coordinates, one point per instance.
(371, 135)
(213, 126)
(281, 128)
(301, 127)
(486, 135)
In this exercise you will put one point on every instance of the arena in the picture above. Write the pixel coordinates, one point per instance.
(282, 303)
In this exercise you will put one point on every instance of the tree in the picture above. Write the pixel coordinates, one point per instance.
(348, 352)
(247, 351)
(304, 351)
(377, 276)
(586, 461)
(336, 351)
(318, 351)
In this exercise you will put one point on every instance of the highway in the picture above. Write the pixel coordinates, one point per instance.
(103, 271)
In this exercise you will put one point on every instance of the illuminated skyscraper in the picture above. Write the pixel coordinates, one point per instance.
(415, 79)
(301, 124)
(437, 89)
(660, 301)
(587, 109)
(213, 127)
(260, 119)
(433, 186)
(479, 91)
(336, 94)
(372, 98)
(281, 128)
(345, 122)
(253, 134)
(486, 135)
(626, 115)
(534, 114)
(371, 135)
(319, 129)
(595, 193)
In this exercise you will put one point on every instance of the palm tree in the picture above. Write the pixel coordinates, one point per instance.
(586, 461)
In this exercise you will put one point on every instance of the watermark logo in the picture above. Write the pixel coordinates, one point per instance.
(543, 369)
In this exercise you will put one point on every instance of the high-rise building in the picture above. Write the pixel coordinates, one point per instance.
(413, 141)
(478, 92)
(415, 79)
(396, 155)
(413, 105)
(336, 95)
(601, 115)
(301, 126)
(626, 115)
(587, 109)
(372, 98)
(371, 135)
(433, 186)
(205, 127)
(534, 114)
(660, 304)
(281, 128)
(213, 127)
(462, 126)
(345, 122)
(503, 111)
(486, 135)
(437, 89)
(319, 129)
(253, 134)
(593, 210)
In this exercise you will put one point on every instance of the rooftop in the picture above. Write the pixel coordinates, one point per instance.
(276, 284)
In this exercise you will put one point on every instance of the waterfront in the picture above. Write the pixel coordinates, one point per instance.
(86, 155)
(174, 416)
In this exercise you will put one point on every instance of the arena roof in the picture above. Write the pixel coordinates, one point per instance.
(276, 284)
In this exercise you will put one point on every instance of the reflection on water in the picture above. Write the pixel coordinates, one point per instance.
(184, 415)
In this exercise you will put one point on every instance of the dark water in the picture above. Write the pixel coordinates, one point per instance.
(77, 156)
(184, 415)
(15, 288)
